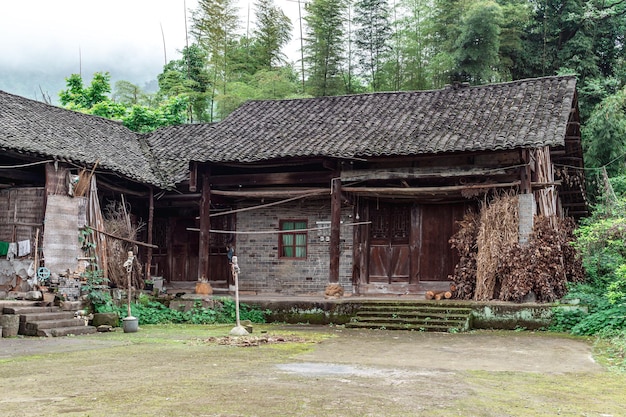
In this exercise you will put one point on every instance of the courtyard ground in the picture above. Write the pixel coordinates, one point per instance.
(183, 370)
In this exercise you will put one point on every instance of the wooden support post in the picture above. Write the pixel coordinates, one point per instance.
(205, 226)
(150, 225)
(525, 173)
(193, 176)
(335, 229)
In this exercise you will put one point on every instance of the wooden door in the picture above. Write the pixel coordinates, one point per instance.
(184, 250)
(389, 251)
(436, 259)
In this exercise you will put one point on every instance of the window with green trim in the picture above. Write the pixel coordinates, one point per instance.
(293, 243)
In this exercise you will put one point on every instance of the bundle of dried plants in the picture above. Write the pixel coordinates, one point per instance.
(464, 241)
(499, 230)
(543, 265)
(118, 222)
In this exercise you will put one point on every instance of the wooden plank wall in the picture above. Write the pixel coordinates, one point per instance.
(21, 213)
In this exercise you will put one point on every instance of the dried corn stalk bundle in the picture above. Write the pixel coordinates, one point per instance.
(464, 241)
(498, 231)
(117, 222)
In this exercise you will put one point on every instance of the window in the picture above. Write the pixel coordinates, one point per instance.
(293, 244)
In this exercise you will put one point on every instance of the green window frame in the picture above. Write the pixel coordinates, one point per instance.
(293, 243)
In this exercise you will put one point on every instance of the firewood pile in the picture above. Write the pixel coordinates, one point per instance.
(494, 266)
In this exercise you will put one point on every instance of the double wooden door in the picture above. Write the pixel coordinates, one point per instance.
(407, 243)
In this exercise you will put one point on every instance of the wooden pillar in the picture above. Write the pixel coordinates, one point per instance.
(525, 173)
(335, 229)
(150, 225)
(205, 226)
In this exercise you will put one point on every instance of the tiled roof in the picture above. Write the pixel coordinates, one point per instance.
(526, 113)
(172, 148)
(37, 128)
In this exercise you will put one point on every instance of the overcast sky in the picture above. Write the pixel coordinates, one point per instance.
(44, 41)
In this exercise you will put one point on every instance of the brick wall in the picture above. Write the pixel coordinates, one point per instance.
(263, 270)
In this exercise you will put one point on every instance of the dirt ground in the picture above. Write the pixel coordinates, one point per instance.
(181, 371)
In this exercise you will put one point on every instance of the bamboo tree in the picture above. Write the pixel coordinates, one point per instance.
(272, 33)
(324, 46)
(373, 35)
(214, 26)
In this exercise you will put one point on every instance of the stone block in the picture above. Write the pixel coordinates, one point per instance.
(105, 319)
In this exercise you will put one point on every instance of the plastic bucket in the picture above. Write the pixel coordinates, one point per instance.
(130, 324)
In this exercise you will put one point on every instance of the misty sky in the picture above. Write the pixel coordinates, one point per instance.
(44, 41)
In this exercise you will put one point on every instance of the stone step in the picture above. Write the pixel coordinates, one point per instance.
(412, 314)
(419, 316)
(405, 326)
(31, 327)
(39, 316)
(48, 321)
(66, 331)
(28, 310)
(415, 307)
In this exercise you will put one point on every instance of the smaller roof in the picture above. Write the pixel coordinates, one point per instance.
(37, 128)
(525, 113)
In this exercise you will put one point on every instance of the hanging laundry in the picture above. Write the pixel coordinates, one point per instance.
(4, 248)
(23, 247)
(12, 251)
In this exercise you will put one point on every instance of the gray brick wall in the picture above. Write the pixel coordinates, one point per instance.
(262, 269)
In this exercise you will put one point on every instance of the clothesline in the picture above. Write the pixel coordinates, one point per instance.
(260, 232)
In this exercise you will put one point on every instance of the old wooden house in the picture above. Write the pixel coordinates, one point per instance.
(362, 190)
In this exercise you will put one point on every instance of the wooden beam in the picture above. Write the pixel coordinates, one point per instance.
(273, 178)
(418, 173)
(205, 227)
(335, 230)
(417, 191)
(135, 242)
(269, 193)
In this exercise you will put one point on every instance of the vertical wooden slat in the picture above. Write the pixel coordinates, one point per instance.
(193, 176)
(205, 226)
(525, 173)
(335, 229)
(414, 243)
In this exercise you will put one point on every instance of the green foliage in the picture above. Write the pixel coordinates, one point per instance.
(478, 45)
(605, 134)
(324, 46)
(272, 33)
(372, 39)
(96, 288)
(149, 311)
(601, 241)
(78, 97)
